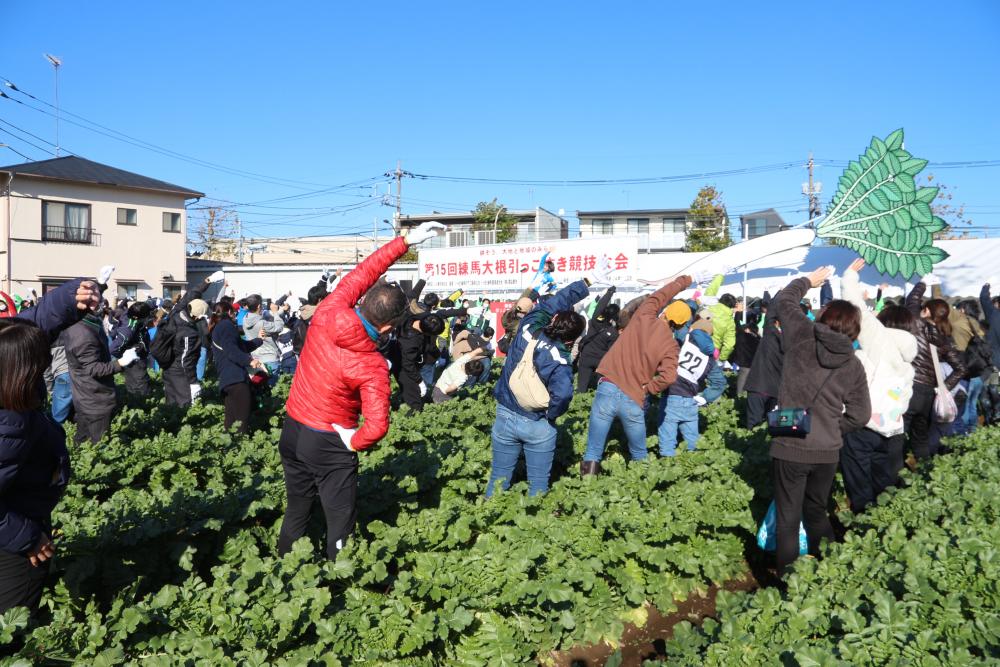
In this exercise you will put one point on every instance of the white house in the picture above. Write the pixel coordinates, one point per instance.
(67, 217)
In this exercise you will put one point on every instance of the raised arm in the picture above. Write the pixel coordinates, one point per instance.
(715, 285)
(785, 305)
(850, 289)
(914, 300)
(353, 285)
(63, 306)
(986, 302)
(603, 303)
(658, 300)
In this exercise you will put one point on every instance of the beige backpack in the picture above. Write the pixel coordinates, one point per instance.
(528, 389)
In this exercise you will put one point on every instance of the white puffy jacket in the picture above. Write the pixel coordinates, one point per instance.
(887, 355)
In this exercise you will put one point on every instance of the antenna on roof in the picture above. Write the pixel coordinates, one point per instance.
(56, 63)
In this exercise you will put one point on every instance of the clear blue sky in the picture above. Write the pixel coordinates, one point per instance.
(324, 93)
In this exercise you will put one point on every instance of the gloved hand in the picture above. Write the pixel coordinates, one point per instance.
(699, 400)
(426, 230)
(701, 277)
(930, 280)
(601, 274)
(346, 434)
(128, 358)
(104, 275)
(195, 391)
(423, 389)
(217, 276)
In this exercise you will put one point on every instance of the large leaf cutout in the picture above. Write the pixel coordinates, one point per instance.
(880, 212)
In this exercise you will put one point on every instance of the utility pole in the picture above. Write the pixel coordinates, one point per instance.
(812, 190)
(399, 197)
(56, 62)
(239, 243)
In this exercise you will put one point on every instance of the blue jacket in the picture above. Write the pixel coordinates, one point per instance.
(552, 359)
(711, 374)
(231, 353)
(34, 462)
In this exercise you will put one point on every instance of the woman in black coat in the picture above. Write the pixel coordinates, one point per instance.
(232, 363)
(34, 461)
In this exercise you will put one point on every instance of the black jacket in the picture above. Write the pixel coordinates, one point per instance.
(765, 370)
(927, 334)
(745, 348)
(231, 353)
(91, 367)
(820, 373)
(992, 316)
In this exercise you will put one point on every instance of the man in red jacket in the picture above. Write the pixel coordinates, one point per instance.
(341, 375)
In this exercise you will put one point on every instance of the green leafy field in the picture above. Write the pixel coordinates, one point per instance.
(167, 554)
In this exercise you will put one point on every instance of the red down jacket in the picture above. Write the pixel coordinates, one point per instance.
(341, 373)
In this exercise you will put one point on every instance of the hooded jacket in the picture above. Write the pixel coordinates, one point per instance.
(723, 322)
(268, 351)
(341, 372)
(551, 358)
(822, 374)
(887, 356)
(231, 353)
(927, 335)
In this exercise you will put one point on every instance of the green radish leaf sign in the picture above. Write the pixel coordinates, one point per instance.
(881, 213)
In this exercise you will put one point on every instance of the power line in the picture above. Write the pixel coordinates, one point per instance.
(18, 152)
(8, 132)
(121, 136)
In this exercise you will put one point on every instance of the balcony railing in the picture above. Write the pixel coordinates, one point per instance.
(82, 235)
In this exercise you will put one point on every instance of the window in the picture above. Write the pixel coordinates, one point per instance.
(66, 222)
(127, 216)
(128, 290)
(674, 226)
(172, 222)
(604, 226)
(170, 290)
(48, 286)
(638, 225)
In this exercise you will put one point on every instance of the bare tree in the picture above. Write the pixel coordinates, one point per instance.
(213, 233)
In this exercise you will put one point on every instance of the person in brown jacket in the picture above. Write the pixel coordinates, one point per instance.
(641, 363)
(821, 375)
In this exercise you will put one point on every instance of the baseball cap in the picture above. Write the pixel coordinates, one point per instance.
(678, 312)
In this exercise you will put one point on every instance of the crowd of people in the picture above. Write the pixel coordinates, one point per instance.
(857, 385)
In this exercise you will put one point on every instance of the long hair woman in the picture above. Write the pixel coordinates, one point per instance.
(932, 330)
(34, 461)
(232, 362)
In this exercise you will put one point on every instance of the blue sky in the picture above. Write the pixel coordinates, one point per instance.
(325, 93)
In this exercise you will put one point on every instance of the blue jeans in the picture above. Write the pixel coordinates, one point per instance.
(611, 402)
(971, 415)
(199, 369)
(427, 374)
(677, 412)
(483, 377)
(512, 433)
(62, 398)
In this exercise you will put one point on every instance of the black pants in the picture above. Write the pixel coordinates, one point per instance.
(870, 463)
(409, 383)
(315, 461)
(237, 399)
(176, 385)
(92, 427)
(758, 405)
(801, 492)
(20, 582)
(587, 378)
(137, 379)
(917, 420)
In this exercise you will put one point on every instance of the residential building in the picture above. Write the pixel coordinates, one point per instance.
(532, 225)
(68, 216)
(658, 230)
(761, 223)
(304, 250)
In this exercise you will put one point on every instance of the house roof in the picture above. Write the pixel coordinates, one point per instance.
(75, 169)
(458, 218)
(631, 212)
(766, 213)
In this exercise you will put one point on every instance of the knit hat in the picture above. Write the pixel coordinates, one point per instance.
(678, 312)
(198, 308)
(702, 325)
